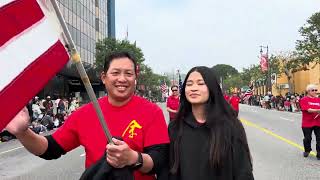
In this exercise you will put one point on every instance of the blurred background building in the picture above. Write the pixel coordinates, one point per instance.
(88, 22)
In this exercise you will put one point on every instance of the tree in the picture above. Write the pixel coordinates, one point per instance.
(110, 45)
(224, 71)
(309, 46)
(234, 81)
(146, 78)
(288, 64)
(253, 73)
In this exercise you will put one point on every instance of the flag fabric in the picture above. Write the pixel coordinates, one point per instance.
(31, 53)
(264, 62)
(163, 87)
(247, 95)
(180, 82)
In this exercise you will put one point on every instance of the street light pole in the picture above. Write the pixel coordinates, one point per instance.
(269, 86)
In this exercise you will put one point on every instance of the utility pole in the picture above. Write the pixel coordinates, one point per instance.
(268, 83)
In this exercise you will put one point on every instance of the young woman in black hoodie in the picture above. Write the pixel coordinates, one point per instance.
(208, 142)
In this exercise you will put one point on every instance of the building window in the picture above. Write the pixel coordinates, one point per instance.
(97, 24)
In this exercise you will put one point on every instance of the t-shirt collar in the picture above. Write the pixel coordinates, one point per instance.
(123, 106)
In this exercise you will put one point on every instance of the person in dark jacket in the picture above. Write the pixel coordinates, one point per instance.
(207, 141)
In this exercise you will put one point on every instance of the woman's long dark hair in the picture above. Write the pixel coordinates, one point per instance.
(221, 120)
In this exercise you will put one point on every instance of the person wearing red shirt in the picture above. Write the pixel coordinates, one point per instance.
(310, 107)
(226, 97)
(234, 102)
(173, 102)
(139, 123)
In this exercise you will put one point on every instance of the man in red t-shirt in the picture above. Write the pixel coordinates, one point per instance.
(173, 103)
(234, 102)
(139, 123)
(310, 107)
(226, 97)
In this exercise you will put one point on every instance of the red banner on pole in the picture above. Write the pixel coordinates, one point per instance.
(264, 62)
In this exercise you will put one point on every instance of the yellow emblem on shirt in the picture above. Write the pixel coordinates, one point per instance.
(133, 125)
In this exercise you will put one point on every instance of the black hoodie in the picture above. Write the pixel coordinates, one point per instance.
(194, 155)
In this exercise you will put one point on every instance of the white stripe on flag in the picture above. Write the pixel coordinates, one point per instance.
(4, 2)
(22, 51)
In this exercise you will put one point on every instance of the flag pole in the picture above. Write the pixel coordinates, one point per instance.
(75, 57)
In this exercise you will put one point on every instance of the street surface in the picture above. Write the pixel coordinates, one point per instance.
(275, 140)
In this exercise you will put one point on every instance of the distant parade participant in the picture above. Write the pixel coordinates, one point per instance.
(173, 102)
(310, 107)
(226, 97)
(234, 102)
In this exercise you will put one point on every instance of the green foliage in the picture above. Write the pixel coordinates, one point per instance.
(253, 73)
(232, 82)
(110, 45)
(274, 64)
(309, 46)
(150, 80)
(224, 71)
(289, 64)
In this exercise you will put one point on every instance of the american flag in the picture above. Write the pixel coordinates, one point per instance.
(247, 95)
(180, 82)
(31, 52)
(163, 87)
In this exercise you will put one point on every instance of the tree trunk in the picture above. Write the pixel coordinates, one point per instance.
(290, 85)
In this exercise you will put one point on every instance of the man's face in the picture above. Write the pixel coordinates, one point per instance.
(175, 91)
(313, 92)
(119, 79)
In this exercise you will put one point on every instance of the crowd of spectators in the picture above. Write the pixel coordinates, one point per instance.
(288, 102)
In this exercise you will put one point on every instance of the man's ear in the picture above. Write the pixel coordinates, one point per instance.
(103, 76)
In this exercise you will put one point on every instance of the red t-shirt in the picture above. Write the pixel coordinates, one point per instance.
(287, 104)
(310, 119)
(140, 123)
(234, 101)
(226, 97)
(173, 103)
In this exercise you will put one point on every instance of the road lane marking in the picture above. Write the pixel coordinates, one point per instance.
(286, 119)
(248, 123)
(83, 154)
(11, 150)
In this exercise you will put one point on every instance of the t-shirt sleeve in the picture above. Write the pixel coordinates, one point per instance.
(67, 135)
(168, 103)
(156, 131)
(304, 104)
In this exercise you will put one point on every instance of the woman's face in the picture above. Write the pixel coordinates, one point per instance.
(196, 89)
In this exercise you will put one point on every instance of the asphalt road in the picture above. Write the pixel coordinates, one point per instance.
(275, 140)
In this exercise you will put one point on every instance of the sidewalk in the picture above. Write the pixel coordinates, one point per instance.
(258, 107)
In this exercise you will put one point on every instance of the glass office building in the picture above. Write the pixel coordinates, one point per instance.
(88, 21)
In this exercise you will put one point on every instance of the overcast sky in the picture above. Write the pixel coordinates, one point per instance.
(180, 34)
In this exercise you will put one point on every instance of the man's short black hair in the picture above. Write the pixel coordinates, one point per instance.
(117, 55)
(174, 86)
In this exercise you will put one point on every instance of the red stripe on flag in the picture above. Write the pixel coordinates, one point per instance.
(18, 16)
(17, 94)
